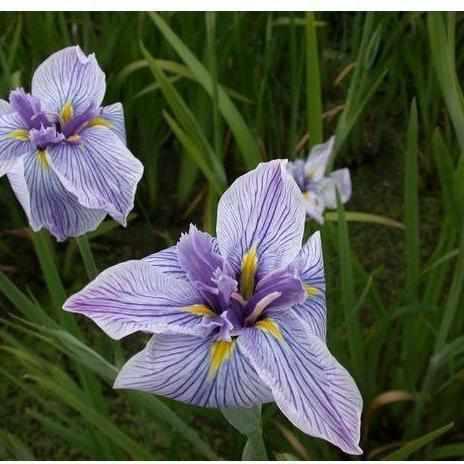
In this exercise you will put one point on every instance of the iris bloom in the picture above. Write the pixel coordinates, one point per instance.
(64, 154)
(240, 319)
(319, 189)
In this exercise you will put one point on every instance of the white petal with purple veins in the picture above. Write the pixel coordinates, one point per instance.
(14, 141)
(46, 201)
(69, 77)
(133, 296)
(180, 367)
(167, 262)
(114, 115)
(311, 263)
(100, 171)
(264, 210)
(308, 384)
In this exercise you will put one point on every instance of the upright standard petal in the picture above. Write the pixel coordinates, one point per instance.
(199, 371)
(14, 141)
(46, 201)
(313, 311)
(133, 296)
(261, 211)
(310, 387)
(100, 171)
(340, 181)
(69, 81)
(318, 159)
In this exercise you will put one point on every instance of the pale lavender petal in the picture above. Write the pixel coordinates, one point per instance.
(179, 367)
(317, 161)
(47, 203)
(311, 263)
(340, 181)
(114, 115)
(167, 262)
(308, 384)
(297, 171)
(14, 142)
(5, 107)
(69, 77)
(262, 209)
(314, 205)
(100, 171)
(133, 296)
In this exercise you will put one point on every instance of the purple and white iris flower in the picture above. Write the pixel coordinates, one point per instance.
(319, 189)
(238, 320)
(64, 153)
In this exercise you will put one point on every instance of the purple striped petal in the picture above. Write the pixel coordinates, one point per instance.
(100, 171)
(310, 387)
(114, 116)
(311, 263)
(46, 201)
(180, 367)
(69, 77)
(133, 296)
(262, 209)
(14, 141)
(317, 161)
(338, 180)
(167, 262)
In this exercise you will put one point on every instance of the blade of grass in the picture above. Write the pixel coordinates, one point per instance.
(243, 136)
(313, 84)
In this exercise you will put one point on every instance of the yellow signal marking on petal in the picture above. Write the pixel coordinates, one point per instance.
(311, 291)
(42, 157)
(200, 310)
(74, 138)
(271, 327)
(248, 273)
(99, 121)
(220, 352)
(67, 112)
(19, 134)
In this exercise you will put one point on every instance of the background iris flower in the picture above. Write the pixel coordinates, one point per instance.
(239, 320)
(319, 188)
(64, 154)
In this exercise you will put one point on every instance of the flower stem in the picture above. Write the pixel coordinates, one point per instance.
(87, 256)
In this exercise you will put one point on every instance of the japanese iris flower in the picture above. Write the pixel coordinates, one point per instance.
(319, 188)
(238, 320)
(64, 153)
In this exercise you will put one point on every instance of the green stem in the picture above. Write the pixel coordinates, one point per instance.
(87, 256)
(46, 255)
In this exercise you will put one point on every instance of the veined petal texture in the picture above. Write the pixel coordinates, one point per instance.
(195, 370)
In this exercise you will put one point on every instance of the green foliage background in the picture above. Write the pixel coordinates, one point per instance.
(208, 96)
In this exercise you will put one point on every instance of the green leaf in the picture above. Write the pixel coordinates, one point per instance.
(411, 208)
(409, 448)
(248, 422)
(245, 140)
(313, 84)
(356, 216)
